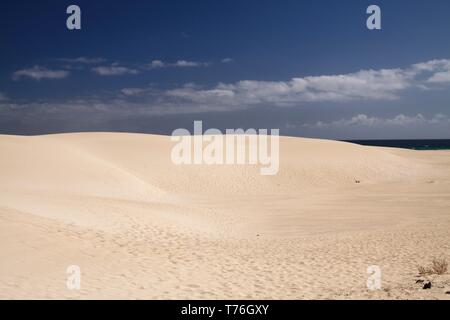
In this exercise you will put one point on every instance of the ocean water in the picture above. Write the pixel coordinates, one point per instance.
(435, 144)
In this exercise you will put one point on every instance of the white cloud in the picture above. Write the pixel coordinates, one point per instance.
(440, 77)
(383, 84)
(83, 60)
(432, 65)
(189, 64)
(438, 70)
(368, 121)
(227, 60)
(38, 73)
(156, 64)
(133, 91)
(113, 70)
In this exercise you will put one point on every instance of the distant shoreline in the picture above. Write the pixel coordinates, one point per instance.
(414, 144)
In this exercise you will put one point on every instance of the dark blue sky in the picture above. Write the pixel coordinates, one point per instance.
(202, 53)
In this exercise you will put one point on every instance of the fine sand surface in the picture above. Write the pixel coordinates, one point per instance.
(141, 227)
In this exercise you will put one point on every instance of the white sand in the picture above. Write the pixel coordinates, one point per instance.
(141, 227)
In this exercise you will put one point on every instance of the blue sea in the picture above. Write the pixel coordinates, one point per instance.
(435, 144)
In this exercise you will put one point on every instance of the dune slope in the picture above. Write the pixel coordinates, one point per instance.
(140, 226)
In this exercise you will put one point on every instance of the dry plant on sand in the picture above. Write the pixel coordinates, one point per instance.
(438, 266)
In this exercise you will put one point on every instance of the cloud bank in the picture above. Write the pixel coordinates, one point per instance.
(373, 85)
(384, 84)
(39, 73)
(368, 121)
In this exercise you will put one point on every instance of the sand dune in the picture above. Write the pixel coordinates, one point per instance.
(141, 227)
